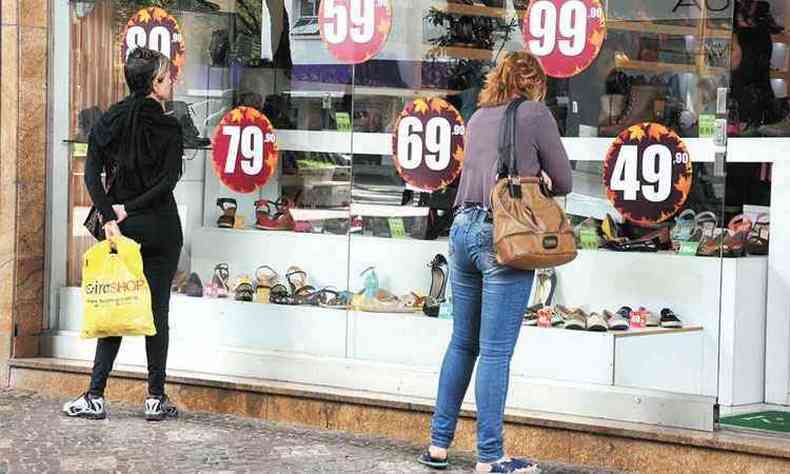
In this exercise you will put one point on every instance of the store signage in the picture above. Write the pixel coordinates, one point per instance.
(428, 144)
(354, 31)
(156, 29)
(647, 173)
(245, 151)
(565, 35)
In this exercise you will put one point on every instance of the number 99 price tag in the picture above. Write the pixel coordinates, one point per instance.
(648, 173)
(428, 143)
(156, 29)
(565, 35)
(244, 150)
(354, 30)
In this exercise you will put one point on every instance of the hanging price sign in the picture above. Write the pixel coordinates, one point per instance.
(565, 35)
(156, 29)
(428, 143)
(354, 30)
(647, 173)
(245, 151)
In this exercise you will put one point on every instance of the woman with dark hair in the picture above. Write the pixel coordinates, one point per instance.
(141, 148)
(489, 298)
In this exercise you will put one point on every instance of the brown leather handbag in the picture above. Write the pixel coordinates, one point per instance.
(530, 229)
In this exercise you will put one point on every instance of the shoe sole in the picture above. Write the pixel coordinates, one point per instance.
(574, 327)
(672, 325)
(597, 329)
(437, 466)
(85, 416)
(619, 327)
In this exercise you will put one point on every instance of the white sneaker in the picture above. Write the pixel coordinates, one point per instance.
(86, 406)
(597, 323)
(157, 408)
(618, 321)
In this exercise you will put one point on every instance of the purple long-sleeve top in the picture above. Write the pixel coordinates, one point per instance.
(539, 148)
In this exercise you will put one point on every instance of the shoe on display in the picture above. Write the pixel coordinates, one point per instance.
(547, 283)
(228, 217)
(617, 321)
(436, 293)
(193, 287)
(243, 289)
(159, 407)
(265, 278)
(639, 108)
(531, 316)
(778, 129)
(653, 319)
(612, 107)
(86, 406)
(191, 135)
(597, 323)
(220, 280)
(274, 215)
(574, 318)
(669, 319)
(758, 242)
(179, 280)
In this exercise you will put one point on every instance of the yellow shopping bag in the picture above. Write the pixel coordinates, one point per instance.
(116, 300)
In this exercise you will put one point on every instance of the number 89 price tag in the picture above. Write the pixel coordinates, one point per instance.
(156, 29)
(648, 173)
(244, 150)
(428, 143)
(354, 30)
(565, 35)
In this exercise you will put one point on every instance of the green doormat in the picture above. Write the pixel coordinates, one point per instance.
(778, 421)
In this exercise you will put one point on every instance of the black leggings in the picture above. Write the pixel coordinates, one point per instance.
(160, 238)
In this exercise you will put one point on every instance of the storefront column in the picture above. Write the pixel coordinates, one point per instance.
(23, 164)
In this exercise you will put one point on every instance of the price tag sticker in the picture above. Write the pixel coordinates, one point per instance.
(428, 144)
(688, 248)
(544, 317)
(354, 31)
(707, 124)
(647, 173)
(79, 150)
(589, 238)
(155, 28)
(565, 35)
(397, 228)
(638, 319)
(343, 120)
(245, 150)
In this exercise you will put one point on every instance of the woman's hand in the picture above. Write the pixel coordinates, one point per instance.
(111, 230)
(120, 212)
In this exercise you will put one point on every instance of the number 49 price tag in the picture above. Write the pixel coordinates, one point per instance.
(354, 30)
(647, 173)
(428, 143)
(565, 35)
(156, 29)
(244, 150)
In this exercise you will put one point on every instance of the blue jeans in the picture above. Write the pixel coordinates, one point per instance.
(489, 300)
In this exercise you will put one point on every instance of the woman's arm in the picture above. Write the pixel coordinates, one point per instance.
(94, 166)
(166, 180)
(551, 152)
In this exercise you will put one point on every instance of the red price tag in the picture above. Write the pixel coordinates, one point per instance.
(638, 319)
(428, 143)
(156, 29)
(244, 150)
(354, 30)
(544, 317)
(565, 35)
(647, 173)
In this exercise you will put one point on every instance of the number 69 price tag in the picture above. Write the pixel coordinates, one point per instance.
(565, 35)
(156, 29)
(647, 173)
(428, 143)
(354, 30)
(244, 150)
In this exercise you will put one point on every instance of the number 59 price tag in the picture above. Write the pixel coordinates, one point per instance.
(647, 173)
(244, 150)
(428, 143)
(156, 29)
(354, 30)
(565, 35)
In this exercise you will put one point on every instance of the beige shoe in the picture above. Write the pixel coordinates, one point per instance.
(596, 323)
(575, 318)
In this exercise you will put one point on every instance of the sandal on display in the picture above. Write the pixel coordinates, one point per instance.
(386, 302)
(738, 231)
(228, 218)
(705, 224)
(531, 315)
(618, 321)
(758, 243)
(296, 278)
(243, 289)
(193, 286)
(334, 299)
(574, 318)
(220, 280)
(274, 215)
(653, 319)
(438, 289)
(279, 295)
(179, 280)
(597, 323)
(685, 223)
(306, 295)
(265, 278)
(547, 283)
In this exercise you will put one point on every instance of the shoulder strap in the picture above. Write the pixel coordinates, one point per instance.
(507, 151)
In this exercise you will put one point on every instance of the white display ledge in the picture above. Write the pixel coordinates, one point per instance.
(571, 372)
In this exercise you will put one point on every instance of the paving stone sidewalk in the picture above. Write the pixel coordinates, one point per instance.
(35, 438)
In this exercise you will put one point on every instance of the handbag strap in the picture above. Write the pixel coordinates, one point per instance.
(508, 150)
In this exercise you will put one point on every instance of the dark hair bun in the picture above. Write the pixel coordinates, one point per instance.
(141, 67)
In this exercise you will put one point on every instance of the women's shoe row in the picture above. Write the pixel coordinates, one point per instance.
(577, 319)
(691, 233)
(269, 215)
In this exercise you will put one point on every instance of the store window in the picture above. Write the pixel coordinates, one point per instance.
(352, 216)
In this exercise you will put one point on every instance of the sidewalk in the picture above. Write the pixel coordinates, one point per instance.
(34, 437)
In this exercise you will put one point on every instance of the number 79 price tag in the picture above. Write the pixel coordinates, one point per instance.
(244, 149)
(648, 173)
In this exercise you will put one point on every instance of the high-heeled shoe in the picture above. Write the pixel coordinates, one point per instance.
(438, 288)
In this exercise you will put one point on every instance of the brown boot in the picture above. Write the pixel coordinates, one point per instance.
(639, 109)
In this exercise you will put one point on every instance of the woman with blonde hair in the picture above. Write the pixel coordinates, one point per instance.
(489, 298)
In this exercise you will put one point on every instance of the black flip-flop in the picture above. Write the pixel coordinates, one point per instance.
(427, 460)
